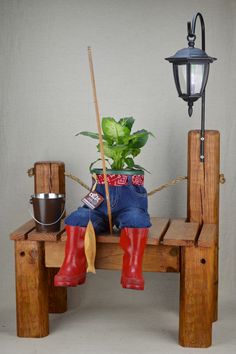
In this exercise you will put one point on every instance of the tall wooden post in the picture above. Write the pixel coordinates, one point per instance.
(49, 178)
(196, 295)
(31, 290)
(203, 190)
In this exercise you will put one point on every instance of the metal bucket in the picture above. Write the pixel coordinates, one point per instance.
(48, 210)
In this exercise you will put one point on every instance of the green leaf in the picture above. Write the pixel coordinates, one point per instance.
(127, 122)
(139, 138)
(90, 134)
(129, 162)
(113, 130)
(93, 163)
(140, 168)
(135, 152)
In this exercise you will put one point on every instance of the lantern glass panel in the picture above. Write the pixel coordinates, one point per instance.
(182, 71)
(196, 73)
(196, 78)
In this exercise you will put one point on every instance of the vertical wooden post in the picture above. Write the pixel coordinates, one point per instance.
(203, 190)
(31, 290)
(57, 295)
(196, 295)
(49, 178)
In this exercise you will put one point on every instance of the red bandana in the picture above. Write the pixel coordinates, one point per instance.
(121, 180)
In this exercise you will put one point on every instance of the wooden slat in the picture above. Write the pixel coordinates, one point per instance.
(181, 233)
(109, 256)
(156, 232)
(207, 237)
(46, 236)
(22, 232)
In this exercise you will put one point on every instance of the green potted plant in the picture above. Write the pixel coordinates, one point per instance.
(120, 146)
(128, 200)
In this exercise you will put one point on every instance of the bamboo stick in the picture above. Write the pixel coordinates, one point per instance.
(100, 136)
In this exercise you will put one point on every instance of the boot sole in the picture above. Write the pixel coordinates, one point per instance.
(70, 283)
(130, 283)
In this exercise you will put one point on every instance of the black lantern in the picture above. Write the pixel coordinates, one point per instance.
(191, 69)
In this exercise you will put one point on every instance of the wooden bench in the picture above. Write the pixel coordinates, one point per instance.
(186, 247)
(173, 246)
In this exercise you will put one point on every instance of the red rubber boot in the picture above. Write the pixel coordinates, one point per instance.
(73, 269)
(133, 241)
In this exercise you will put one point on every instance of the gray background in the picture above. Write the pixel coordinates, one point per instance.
(46, 98)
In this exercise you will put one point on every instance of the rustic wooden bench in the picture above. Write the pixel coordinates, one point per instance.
(189, 247)
(173, 246)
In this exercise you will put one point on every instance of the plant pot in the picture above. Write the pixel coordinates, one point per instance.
(99, 171)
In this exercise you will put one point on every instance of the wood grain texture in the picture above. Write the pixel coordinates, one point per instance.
(181, 233)
(156, 232)
(203, 189)
(109, 256)
(196, 296)
(22, 232)
(31, 290)
(57, 301)
(208, 235)
(46, 236)
(49, 177)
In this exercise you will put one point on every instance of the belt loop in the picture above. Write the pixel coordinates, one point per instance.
(130, 180)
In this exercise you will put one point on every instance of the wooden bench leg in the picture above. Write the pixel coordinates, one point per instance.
(57, 295)
(31, 289)
(196, 296)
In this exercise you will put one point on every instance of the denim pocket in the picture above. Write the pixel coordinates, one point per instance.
(139, 191)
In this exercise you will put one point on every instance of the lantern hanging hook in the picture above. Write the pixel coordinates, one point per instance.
(191, 28)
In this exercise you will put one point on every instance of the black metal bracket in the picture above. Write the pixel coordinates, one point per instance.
(191, 27)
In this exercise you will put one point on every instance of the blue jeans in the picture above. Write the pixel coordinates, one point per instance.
(128, 204)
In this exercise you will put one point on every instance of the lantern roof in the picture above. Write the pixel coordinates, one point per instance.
(190, 54)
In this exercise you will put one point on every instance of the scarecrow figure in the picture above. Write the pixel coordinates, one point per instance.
(117, 198)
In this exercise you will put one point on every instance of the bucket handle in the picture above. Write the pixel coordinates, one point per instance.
(40, 223)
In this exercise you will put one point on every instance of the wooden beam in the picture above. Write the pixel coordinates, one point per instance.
(203, 189)
(196, 296)
(31, 290)
(57, 301)
(109, 256)
(49, 177)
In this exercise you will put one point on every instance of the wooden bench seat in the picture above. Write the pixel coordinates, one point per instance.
(172, 246)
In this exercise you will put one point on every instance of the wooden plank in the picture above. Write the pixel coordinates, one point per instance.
(22, 232)
(203, 188)
(46, 236)
(109, 256)
(57, 296)
(181, 233)
(31, 290)
(49, 177)
(207, 237)
(156, 232)
(196, 296)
